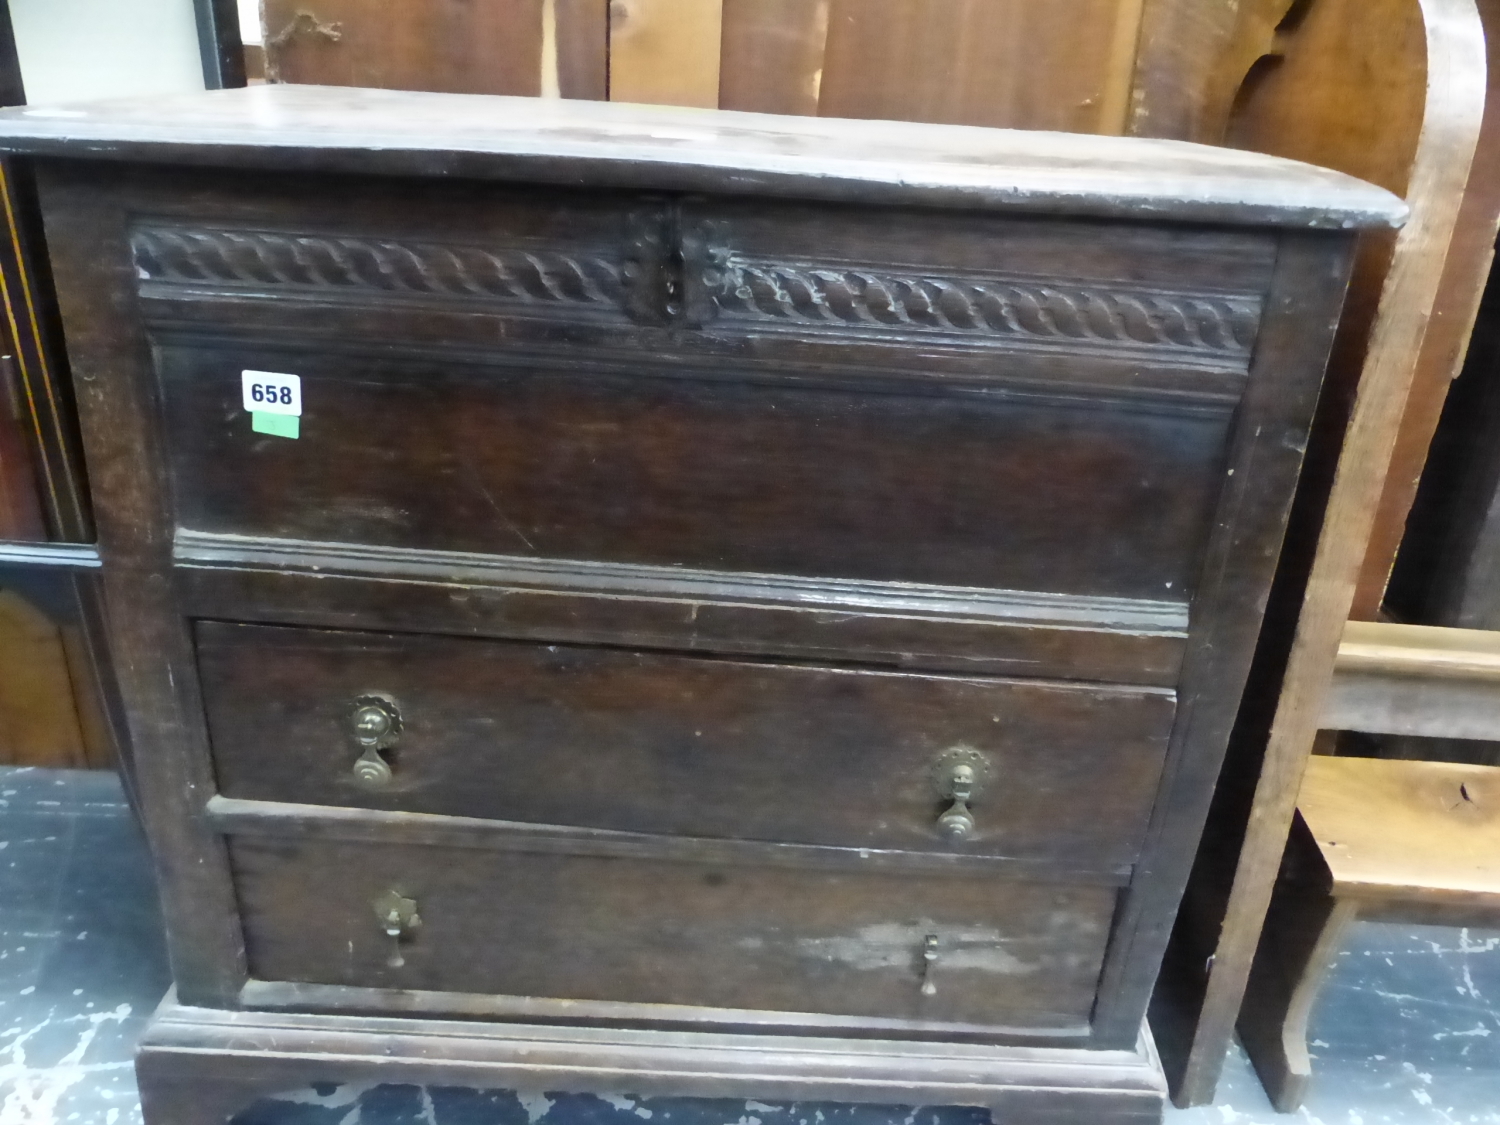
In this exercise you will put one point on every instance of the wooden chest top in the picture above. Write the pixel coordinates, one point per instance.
(607, 144)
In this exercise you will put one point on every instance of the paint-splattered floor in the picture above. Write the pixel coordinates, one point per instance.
(1408, 1031)
(81, 958)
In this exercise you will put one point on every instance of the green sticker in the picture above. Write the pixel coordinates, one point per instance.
(281, 425)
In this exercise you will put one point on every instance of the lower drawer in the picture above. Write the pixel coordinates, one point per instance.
(1005, 954)
(686, 746)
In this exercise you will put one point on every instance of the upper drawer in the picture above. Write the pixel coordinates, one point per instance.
(600, 738)
(564, 460)
(826, 392)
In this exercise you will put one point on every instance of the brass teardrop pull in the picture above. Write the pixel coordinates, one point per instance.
(958, 777)
(929, 965)
(399, 919)
(375, 723)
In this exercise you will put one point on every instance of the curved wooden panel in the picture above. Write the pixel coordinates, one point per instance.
(1391, 91)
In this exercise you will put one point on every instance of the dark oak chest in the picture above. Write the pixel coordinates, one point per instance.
(747, 606)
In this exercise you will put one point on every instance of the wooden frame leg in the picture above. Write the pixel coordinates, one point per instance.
(1299, 945)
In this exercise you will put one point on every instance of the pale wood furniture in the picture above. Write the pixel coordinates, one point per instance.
(1349, 60)
(1415, 841)
(1375, 839)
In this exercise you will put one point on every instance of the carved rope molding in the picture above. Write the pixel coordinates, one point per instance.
(1223, 324)
(334, 263)
(793, 297)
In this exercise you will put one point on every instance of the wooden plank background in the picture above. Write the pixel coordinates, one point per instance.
(1062, 64)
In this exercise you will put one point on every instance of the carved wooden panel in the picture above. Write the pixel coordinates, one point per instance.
(339, 265)
(800, 296)
(1026, 310)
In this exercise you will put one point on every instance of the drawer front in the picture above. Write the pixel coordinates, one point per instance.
(677, 745)
(946, 399)
(568, 459)
(674, 932)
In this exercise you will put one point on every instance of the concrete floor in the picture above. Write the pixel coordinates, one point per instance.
(1407, 1033)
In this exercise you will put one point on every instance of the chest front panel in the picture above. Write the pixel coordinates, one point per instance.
(723, 611)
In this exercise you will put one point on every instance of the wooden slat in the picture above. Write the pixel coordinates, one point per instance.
(1421, 707)
(1119, 70)
(1419, 652)
(1340, 113)
(665, 52)
(1182, 50)
(772, 59)
(580, 43)
(1194, 62)
(1416, 680)
(1416, 831)
(1319, 102)
(453, 46)
(1010, 63)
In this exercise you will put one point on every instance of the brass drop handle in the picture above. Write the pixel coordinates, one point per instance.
(399, 919)
(957, 822)
(958, 778)
(375, 723)
(929, 965)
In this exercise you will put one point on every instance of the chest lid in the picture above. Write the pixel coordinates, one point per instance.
(662, 148)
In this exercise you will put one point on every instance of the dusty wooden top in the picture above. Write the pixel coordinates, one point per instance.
(672, 149)
(1406, 831)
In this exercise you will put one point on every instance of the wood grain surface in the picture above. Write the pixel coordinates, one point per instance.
(1012, 954)
(684, 746)
(39, 721)
(1416, 680)
(665, 52)
(1414, 831)
(668, 148)
(457, 46)
(200, 1066)
(1470, 256)
(1120, 373)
